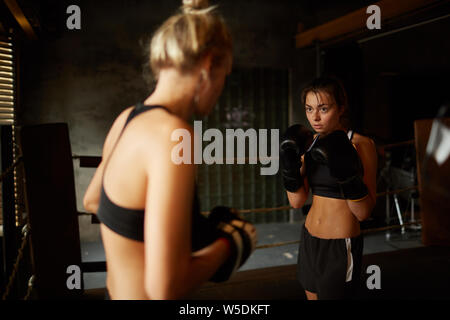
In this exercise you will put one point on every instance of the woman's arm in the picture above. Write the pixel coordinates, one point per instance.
(91, 197)
(171, 270)
(368, 154)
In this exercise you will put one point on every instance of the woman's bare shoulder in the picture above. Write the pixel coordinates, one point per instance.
(160, 123)
(365, 146)
(362, 141)
(160, 133)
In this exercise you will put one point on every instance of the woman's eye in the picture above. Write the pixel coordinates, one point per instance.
(308, 109)
(323, 110)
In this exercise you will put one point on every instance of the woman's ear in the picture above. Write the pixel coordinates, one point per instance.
(206, 64)
(203, 76)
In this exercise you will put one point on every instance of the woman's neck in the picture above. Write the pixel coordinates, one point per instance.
(175, 92)
(338, 127)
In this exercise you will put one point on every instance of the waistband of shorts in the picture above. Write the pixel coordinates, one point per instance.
(331, 240)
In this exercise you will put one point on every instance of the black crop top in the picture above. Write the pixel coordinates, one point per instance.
(128, 222)
(319, 177)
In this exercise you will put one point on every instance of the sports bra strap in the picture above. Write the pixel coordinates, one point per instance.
(350, 134)
(139, 108)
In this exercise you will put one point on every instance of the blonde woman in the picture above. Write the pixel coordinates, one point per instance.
(145, 202)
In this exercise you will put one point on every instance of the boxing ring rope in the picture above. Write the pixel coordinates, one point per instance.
(386, 193)
(398, 144)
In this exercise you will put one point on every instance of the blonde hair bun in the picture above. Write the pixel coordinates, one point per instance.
(183, 39)
(190, 6)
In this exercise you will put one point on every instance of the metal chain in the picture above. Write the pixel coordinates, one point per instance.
(25, 233)
(10, 168)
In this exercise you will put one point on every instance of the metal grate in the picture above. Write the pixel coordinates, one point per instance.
(252, 98)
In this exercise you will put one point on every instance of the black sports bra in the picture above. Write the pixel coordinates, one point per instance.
(124, 221)
(319, 177)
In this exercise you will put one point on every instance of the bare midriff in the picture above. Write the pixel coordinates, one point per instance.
(330, 218)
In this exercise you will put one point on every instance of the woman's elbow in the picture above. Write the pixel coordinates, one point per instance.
(296, 204)
(296, 200)
(363, 216)
(365, 212)
(90, 205)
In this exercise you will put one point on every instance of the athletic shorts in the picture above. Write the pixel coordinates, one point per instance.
(331, 268)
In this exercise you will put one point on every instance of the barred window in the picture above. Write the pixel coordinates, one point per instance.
(8, 100)
(7, 85)
(256, 98)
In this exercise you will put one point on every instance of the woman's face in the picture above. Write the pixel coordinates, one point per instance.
(322, 112)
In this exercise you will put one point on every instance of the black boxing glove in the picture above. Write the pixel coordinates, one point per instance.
(294, 143)
(241, 236)
(337, 152)
(203, 230)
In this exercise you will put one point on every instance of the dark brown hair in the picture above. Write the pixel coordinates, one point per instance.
(335, 89)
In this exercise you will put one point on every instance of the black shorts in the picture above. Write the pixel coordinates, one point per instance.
(330, 267)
